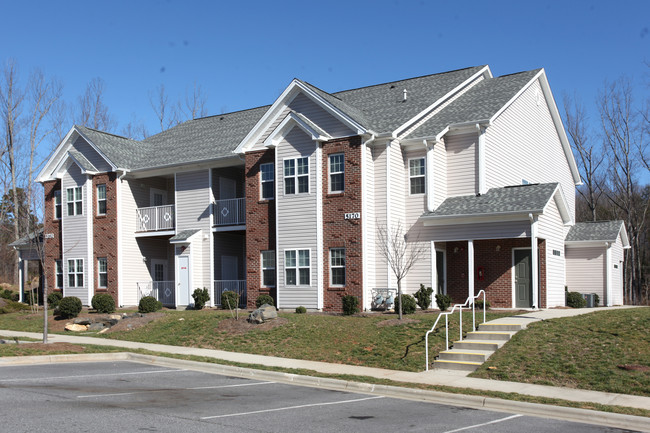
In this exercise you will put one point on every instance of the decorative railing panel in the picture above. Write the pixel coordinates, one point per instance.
(155, 218)
(229, 212)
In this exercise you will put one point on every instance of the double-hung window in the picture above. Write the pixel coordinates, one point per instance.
(75, 204)
(57, 204)
(268, 180)
(75, 273)
(102, 271)
(297, 268)
(59, 273)
(101, 199)
(268, 268)
(337, 266)
(337, 172)
(296, 171)
(417, 175)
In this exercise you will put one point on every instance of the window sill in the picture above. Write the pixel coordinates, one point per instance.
(335, 194)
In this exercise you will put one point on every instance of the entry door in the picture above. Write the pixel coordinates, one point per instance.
(523, 281)
(440, 272)
(183, 293)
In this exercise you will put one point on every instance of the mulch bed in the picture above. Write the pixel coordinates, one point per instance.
(634, 367)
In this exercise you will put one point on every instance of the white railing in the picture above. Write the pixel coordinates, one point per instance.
(229, 212)
(155, 218)
(237, 286)
(163, 291)
(470, 300)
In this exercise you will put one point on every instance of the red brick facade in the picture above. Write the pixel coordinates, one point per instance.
(339, 232)
(105, 234)
(52, 227)
(260, 225)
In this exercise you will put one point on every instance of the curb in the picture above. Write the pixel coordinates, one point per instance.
(585, 416)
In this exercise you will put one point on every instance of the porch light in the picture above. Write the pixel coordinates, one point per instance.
(498, 248)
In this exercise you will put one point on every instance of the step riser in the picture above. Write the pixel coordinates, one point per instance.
(454, 366)
(468, 345)
(469, 357)
(499, 328)
(489, 337)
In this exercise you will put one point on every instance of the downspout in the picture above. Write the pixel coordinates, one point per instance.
(533, 259)
(364, 221)
(429, 174)
(480, 159)
(120, 217)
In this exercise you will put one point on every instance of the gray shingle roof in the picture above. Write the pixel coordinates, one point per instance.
(28, 240)
(606, 231)
(82, 160)
(511, 199)
(183, 235)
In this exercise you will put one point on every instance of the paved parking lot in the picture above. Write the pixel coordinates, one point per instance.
(129, 396)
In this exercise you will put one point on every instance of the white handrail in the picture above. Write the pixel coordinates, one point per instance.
(460, 316)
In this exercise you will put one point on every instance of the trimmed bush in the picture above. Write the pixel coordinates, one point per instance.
(479, 304)
(264, 299)
(10, 295)
(229, 300)
(443, 301)
(69, 307)
(149, 304)
(596, 299)
(423, 296)
(53, 299)
(575, 300)
(350, 305)
(201, 297)
(301, 310)
(103, 303)
(408, 304)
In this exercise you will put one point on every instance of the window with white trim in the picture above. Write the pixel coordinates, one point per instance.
(57, 204)
(337, 266)
(297, 268)
(102, 272)
(267, 174)
(417, 176)
(58, 265)
(75, 273)
(337, 172)
(296, 171)
(268, 268)
(101, 199)
(75, 203)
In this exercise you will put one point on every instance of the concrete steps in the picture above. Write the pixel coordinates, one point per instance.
(476, 347)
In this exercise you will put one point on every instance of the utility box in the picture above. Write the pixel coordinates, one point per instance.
(590, 298)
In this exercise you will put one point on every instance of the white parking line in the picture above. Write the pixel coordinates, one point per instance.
(173, 389)
(291, 407)
(484, 424)
(92, 375)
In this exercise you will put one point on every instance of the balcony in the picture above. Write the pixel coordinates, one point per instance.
(237, 286)
(163, 291)
(229, 212)
(155, 218)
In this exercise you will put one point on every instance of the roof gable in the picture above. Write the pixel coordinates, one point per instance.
(598, 231)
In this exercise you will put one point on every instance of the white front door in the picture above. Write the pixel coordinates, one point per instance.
(183, 288)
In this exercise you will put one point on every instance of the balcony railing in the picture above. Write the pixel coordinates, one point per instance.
(163, 291)
(155, 218)
(229, 212)
(237, 286)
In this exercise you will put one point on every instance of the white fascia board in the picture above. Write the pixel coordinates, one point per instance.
(561, 203)
(473, 219)
(624, 239)
(286, 125)
(584, 244)
(222, 162)
(483, 71)
(347, 120)
(113, 166)
(45, 173)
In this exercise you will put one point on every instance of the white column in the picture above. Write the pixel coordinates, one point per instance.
(470, 267)
(21, 280)
(482, 188)
(608, 273)
(429, 177)
(534, 254)
(434, 270)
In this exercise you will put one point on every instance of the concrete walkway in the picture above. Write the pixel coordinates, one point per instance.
(432, 377)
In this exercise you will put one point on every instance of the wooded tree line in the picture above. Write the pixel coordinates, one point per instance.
(35, 117)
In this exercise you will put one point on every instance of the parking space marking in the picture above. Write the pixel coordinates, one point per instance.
(92, 375)
(484, 424)
(173, 389)
(291, 407)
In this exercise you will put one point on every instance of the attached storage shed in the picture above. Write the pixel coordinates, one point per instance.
(594, 259)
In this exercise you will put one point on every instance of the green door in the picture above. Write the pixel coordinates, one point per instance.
(523, 281)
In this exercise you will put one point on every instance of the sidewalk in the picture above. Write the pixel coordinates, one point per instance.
(432, 377)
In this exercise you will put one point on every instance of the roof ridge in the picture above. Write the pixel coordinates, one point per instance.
(517, 73)
(105, 133)
(225, 114)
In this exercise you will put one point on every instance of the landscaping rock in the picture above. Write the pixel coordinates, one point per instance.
(96, 326)
(74, 327)
(264, 313)
(115, 317)
(82, 321)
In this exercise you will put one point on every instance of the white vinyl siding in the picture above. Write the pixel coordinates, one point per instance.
(91, 155)
(75, 231)
(586, 270)
(476, 231)
(523, 143)
(462, 170)
(379, 187)
(369, 225)
(616, 269)
(551, 229)
(319, 116)
(439, 174)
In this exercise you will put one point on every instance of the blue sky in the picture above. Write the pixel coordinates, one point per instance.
(245, 53)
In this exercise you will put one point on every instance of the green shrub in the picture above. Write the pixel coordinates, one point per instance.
(69, 307)
(443, 301)
(264, 299)
(229, 300)
(53, 299)
(575, 300)
(103, 303)
(149, 304)
(350, 305)
(596, 299)
(479, 304)
(408, 304)
(31, 297)
(423, 296)
(301, 310)
(9, 294)
(201, 297)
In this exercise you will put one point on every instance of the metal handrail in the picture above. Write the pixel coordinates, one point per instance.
(460, 316)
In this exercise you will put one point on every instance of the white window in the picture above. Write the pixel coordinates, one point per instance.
(337, 266)
(59, 273)
(101, 199)
(268, 268)
(75, 204)
(297, 268)
(102, 271)
(337, 172)
(417, 175)
(57, 204)
(75, 273)
(268, 180)
(296, 171)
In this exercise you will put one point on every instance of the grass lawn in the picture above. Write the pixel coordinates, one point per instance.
(579, 352)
